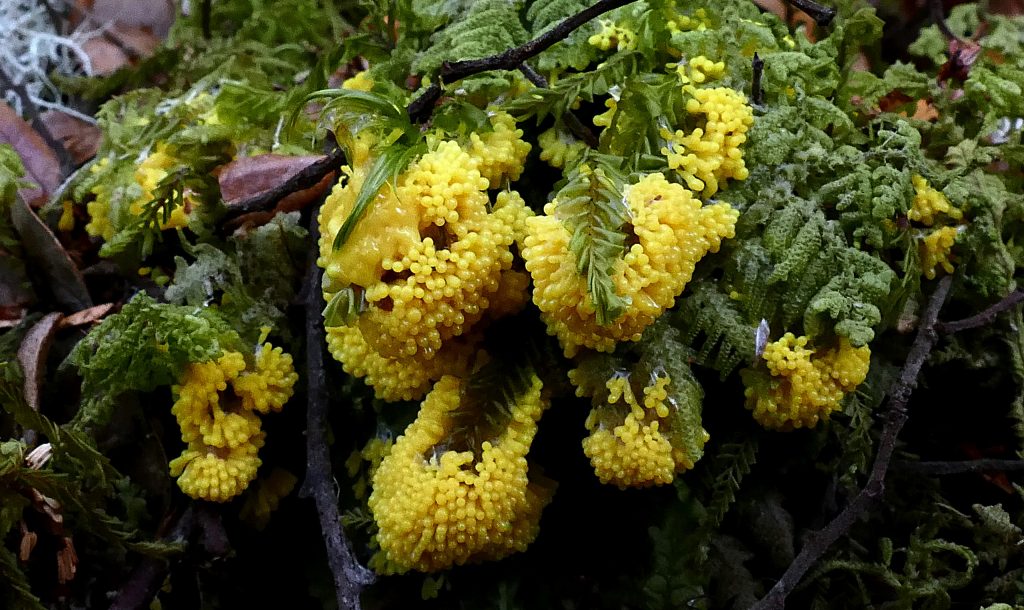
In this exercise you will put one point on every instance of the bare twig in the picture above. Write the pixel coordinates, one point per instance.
(822, 15)
(308, 177)
(205, 10)
(421, 107)
(349, 576)
(986, 317)
(938, 15)
(896, 415)
(756, 94)
(67, 165)
(147, 578)
(570, 119)
(959, 467)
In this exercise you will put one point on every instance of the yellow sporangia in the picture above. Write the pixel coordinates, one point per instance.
(559, 148)
(501, 153)
(804, 385)
(613, 36)
(697, 70)
(929, 202)
(432, 257)
(935, 250)
(605, 118)
(634, 450)
(707, 157)
(361, 81)
(671, 232)
(105, 213)
(399, 377)
(221, 429)
(438, 507)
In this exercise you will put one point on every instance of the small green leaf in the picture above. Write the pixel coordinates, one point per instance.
(391, 162)
(344, 307)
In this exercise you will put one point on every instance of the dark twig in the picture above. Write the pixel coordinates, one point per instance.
(896, 415)
(986, 317)
(938, 15)
(570, 119)
(308, 177)
(959, 467)
(205, 11)
(67, 165)
(421, 107)
(756, 94)
(349, 576)
(147, 578)
(822, 15)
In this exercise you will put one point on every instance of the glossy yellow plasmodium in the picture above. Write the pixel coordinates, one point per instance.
(559, 148)
(221, 427)
(501, 153)
(613, 36)
(361, 81)
(803, 385)
(671, 231)
(706, 157)
(429, 257)
(635, 450)
(936, 246)
(935, 249)
(929, 203)
(698, 22)
(697, 70)
(438, 507)
(113, 204)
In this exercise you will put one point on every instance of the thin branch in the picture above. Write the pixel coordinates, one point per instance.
(349, 576)
(959, 467)
(756, 94)
(147, 578)
(938, 15)
(308, 177)
(984, 318)
(896, 415)
(205, 11)
(420, 108)
(822, 15)
(573, 122)
(67, 165)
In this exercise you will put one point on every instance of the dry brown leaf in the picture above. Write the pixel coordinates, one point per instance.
(925, 111)
(45, 252)
(28, 543)
(79, 138)
(105, 57)
(32, 352)
(67, 561)
(246, 177)
(155, 16)
(42, 166)
(86, 316)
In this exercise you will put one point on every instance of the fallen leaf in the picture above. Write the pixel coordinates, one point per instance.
(86, 316)
(247, 177)
(42, 166)
(79, 138)
(925, 111)
(28, 542)
(32, 352)
(155, 16)
(43, 250)
(105, 57)
(67, 561)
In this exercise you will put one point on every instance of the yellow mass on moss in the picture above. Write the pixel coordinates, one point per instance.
(708, 156)
(221, 427)
(803, 385)
(634, 450)
(438, 507)
(672, 232)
